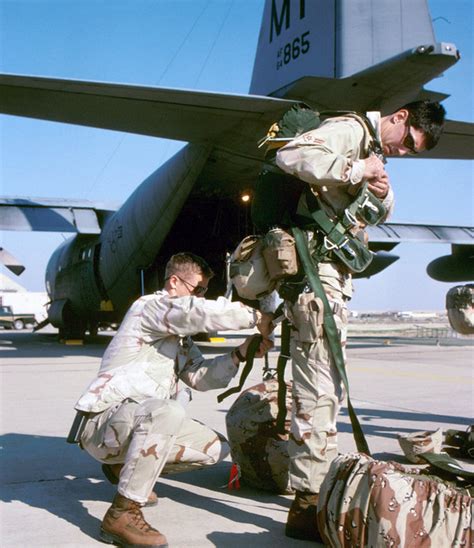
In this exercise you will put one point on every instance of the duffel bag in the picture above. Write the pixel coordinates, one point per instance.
(256, 446)
(368, 503)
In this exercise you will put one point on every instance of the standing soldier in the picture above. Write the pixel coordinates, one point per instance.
(320, 181)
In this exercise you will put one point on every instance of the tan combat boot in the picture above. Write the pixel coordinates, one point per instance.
(124, 525)
(112, 473)
(301, 522)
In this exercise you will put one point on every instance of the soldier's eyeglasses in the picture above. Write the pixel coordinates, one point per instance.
(195, 289)
(409, 142)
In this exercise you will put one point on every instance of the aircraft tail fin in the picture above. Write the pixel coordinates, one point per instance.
(333, 38)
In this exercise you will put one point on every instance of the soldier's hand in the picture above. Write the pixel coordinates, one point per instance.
(265, 324)
(374, 167)
(264, 347)
(379, 186)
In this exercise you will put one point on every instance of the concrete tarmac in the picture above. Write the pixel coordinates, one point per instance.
(54, 494)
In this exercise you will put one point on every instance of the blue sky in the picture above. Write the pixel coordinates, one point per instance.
(196, 44)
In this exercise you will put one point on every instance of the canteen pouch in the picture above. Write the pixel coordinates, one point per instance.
(248, 270)
(279, 252)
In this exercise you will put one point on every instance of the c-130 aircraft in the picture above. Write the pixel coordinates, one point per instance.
(328, 54)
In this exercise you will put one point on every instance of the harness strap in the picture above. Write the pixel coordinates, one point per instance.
(444, 462)
(281, 365)
(251, 350)
(448, 469)
(330, 330)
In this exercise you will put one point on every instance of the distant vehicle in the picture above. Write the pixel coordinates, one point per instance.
(9, 320)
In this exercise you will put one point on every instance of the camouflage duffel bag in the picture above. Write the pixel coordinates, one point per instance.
(365, 502)
(256, 446)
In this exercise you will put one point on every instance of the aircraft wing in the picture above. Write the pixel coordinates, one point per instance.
(179, 114)
(390, 234)
(49, 215)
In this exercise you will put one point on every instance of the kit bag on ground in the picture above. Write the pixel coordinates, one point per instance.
(366, 502)
(257, 446)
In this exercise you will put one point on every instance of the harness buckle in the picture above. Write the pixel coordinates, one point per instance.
(331, 246)
(350, 217)
(369, 204)
(348, 248)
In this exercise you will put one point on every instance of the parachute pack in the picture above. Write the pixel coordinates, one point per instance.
(260, 262)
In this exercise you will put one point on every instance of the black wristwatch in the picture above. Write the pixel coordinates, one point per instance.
(239, 356)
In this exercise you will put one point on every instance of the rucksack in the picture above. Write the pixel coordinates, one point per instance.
(257, 447)
(366, 502)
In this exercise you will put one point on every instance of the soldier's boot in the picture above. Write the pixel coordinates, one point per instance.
(112, 473)
(124, 525)
(302, 518)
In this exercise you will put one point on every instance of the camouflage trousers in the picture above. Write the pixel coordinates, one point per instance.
(317, 389)
(151, 437)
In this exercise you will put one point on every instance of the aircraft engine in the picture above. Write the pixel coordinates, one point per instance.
(457, 267)
(460, 307)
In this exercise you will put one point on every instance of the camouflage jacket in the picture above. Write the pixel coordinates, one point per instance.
(329, 160)
(153, 349)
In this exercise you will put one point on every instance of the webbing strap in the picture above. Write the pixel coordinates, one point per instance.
(330, 330)
(446, 463)
(281, 364)
(251, 350)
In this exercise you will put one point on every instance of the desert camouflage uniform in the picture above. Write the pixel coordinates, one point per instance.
(133, 418)
(328, 159)
(364, 502)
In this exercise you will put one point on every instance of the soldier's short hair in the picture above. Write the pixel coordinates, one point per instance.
(184, 262)
(427, 116)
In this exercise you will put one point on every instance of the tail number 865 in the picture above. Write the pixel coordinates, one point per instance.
(292, 50)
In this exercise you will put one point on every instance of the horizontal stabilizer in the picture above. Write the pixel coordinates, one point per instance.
(385, 86)
(456, 143)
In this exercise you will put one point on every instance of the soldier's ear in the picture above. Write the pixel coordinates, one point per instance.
(172, 281)
(400, 116)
